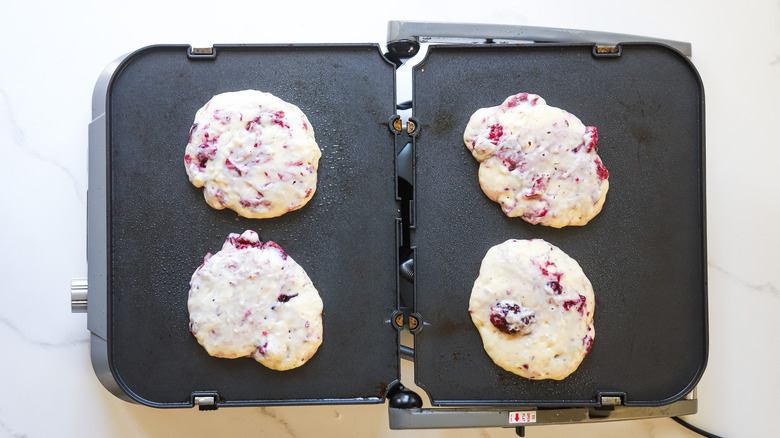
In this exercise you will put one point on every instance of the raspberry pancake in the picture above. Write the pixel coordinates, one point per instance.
(252, 299)
(538, 162)
(253, 153)
(533, 307)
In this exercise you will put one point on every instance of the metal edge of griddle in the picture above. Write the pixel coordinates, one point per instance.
(407, 33)
(99, 252)
(441, 418)
(97, 233)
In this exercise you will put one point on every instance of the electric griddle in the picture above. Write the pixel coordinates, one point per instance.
(395, 233)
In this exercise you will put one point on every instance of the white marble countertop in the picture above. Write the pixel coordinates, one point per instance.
(53, 52)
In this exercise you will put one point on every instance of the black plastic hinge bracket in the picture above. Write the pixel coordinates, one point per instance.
(407, 320)
(399, 51)
(397, 125)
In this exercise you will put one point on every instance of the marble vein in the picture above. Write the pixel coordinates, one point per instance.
(43, 344)
(18, 138)
(10, 432)
(767, 287)
(279, 420)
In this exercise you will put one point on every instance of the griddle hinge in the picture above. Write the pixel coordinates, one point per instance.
(398, 51)
(411, 321)
(398, 126)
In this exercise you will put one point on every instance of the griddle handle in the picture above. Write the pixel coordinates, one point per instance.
(423, 32)
(78, 295)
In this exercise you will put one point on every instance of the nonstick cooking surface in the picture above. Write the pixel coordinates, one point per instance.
(160, 227)
(644, 253)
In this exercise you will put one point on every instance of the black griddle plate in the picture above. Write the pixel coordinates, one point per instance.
(160, 226)
(644, 254)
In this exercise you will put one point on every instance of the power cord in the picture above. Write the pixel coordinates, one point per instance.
(693, 428)
(404, 105)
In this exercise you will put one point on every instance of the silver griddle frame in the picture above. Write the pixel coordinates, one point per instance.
(405, 409)
(519, 417)
(83, 299)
